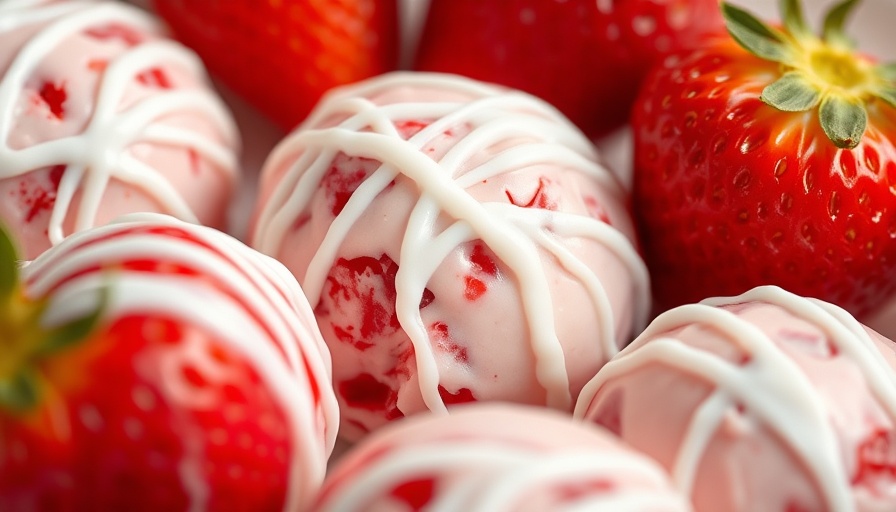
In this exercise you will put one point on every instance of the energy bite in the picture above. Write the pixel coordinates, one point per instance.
(459, 242)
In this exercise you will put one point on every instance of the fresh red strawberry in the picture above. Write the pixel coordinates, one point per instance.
(185, 375)
(586, 57)
(771, 161)
(281, 55)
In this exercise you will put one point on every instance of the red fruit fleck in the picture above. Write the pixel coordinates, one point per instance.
(440, 334)
(45, 198)
(365, 392)
(371, 282)
(482, 261)
(115, 31)
(462, 396)
(473, 288)
(876, 459)
(540, 199)
(154, 77)
(578, 490)
(54, 96)
(596, 210)
(408, 129)
(343, 178)
(98, 65)
(368, 284)
(795, 506)
(416, 494)
(194, 161)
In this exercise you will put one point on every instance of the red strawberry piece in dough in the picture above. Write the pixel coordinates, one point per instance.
(586, 57)
(282, 55)
(198, 382)
(732, 192)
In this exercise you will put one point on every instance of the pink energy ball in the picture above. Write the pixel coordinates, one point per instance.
(459, 242)
(100, 116)
(763, 402)
(497, 457)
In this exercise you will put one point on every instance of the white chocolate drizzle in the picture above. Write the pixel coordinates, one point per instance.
(770, 385)
(273, 328)
(99, 153)
(514, 234)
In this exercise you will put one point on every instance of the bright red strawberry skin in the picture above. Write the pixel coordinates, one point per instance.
(730, 193)
(131, 437)
(203, 385)
(586, 57)
(282, 55)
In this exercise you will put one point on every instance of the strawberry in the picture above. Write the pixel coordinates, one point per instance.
(282, 55)
(586, 57)
(767, 157)
(156, 365)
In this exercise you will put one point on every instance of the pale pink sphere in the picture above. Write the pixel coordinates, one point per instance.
(496, 457)
(100, 115)
(460, 242)
(763, 402)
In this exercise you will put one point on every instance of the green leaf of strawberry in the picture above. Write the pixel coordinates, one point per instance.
(818, 71)
(23, 341)
(769, 157)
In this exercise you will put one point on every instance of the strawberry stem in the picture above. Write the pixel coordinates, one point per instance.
(23, 341)
(821, 73)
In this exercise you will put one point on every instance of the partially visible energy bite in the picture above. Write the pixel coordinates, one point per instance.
(458, 241)
(497, 457)
(762, 402)
(100, 116)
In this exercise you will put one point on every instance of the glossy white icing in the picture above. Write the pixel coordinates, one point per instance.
(766, 381)
(490, 457)
(118, 122)
(520, 132)
(257, 308)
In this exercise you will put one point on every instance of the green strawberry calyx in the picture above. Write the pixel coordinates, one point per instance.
(24, 341)
(818, 71)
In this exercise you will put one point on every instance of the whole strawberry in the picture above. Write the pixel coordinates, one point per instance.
(768, 157)
(586, 57)
(157, 365)
(282, 55)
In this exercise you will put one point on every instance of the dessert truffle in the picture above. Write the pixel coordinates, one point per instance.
(458, 241)
(205, 384)
(496, 457)
(766, 401)
(100, 116)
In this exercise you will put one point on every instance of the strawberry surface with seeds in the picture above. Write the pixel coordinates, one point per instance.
(586, 57)
(748, 171)
(282, 55)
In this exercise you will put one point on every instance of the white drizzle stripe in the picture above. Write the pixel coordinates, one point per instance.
(251, 277)
(98, 154)
(771, 385)
(515, 240)
(490, 477)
